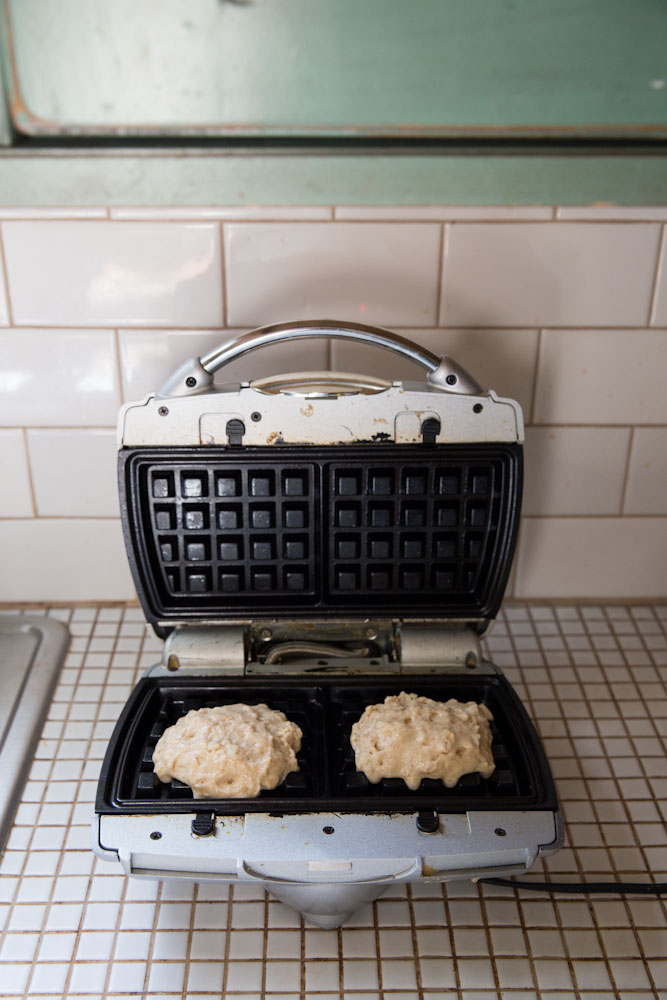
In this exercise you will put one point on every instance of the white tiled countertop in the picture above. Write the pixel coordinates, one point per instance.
(594, 680)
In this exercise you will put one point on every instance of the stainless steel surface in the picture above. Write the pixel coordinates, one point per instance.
(320, 385)
(396, 415)
(32, 650)
(219, 650)
(425, 646)
(327, 875)
(443, 373)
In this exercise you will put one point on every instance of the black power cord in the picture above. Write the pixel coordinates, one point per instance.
(640, 888)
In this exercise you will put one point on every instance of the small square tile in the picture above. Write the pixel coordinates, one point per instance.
(475, 973)
(359, 943)
(437, 973)
(132, 945)
(397, 975)
(321, 944)
(322, 976)
(359, 974)
(514, 972)
(127, 977)
(205, 976)
(283, 976)
(552, 975)
(244, 976)
(49, 979)
(87, 977)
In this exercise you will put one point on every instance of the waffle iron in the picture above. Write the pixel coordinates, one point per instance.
(316, 542)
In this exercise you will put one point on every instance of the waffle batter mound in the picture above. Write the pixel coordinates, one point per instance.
(411, 737)
(231, 751)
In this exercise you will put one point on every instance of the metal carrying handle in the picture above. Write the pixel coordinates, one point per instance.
(196, 375)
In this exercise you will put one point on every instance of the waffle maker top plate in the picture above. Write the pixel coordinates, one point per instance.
(317, 542)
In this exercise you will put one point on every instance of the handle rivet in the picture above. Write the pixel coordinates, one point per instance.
(327, 829)
(163, 411)
(265, 634)
(451, 380)
(499, 832)
(191, 382)
(477, 408)
(255, 416)
(156, 835)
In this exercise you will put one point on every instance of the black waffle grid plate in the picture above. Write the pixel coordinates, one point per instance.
(335, 531)
(327, 780)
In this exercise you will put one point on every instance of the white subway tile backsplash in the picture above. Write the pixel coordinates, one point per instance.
(503, 360)
(74, 212)
(647, 475)
(542, 274)
(62, 559)
(379, 273)
(74, 472)
(659, 313)
(15, 495)
(606, 557)
(4, 306)
(613, 213)
(245, 213)
(148, 357)
(444, 213)
(583, 278)
(58, 378)
(114, 274)
(575, 470)
(602, 377)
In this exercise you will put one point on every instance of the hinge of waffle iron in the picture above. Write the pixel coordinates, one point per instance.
(438, 646)
(205, 649)
(323, 647)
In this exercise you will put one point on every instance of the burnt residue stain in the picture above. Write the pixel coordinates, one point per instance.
(381, 436)
(275, 437)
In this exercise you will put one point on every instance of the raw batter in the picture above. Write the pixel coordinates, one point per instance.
(231, 751)
(411, 737)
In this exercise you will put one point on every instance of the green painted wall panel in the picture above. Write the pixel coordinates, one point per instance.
(391, 67)
(91, 178)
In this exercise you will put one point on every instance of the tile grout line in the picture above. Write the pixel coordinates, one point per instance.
(449, 929)
(31, 481)
(653, 303)
(525, 696)
(50, 902)
(230, 925)
(621, 798)
(265, 942)
(376, 932)
(415, 943)
(631, 825)
(487, 934)
(188, 948)
(119, 367)
(302, 955)
(123, 895)
(440, 287)
(613, 869)
(223, 276)
(626, 475)
(341, 982)
(94, 870)
(536, 372)
(4, 277)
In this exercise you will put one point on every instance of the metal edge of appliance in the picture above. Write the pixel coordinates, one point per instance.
(326, 888)
(32, 650)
